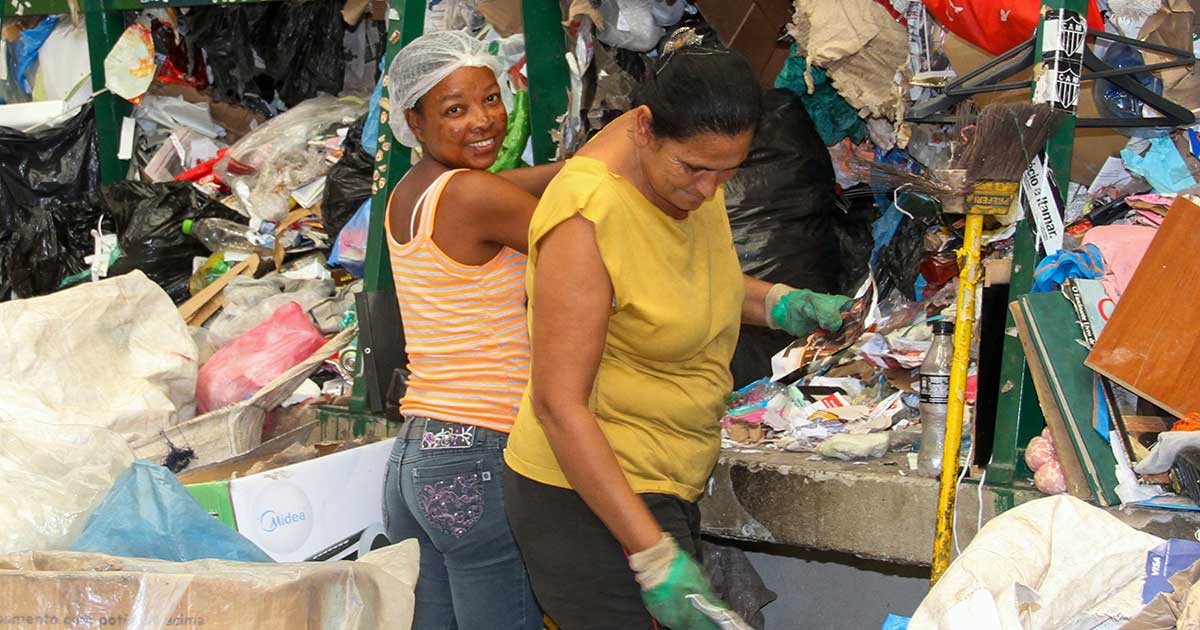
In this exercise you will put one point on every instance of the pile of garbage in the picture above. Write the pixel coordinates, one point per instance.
(843, 101)
(172, 339)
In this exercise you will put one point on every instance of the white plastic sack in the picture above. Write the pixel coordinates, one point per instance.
(630, 24)
(230, 431)
(113, 354)
(1051, 564)
(90, 590)
(51, 479)
(64, 66)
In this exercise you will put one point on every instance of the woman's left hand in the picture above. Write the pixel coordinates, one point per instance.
(800, 311)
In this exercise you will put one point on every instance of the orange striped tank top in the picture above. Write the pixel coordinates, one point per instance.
(465, 328)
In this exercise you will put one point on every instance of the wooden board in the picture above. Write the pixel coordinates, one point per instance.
(1077, 484)
(1151, 344)
(211, 298)
(1055, 350)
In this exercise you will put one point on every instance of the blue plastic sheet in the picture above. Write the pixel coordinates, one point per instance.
(149, 514)
(28, 47)
(370, 132)
(350, 248)
(1162, 166)
(895, 622)
(1164, 561)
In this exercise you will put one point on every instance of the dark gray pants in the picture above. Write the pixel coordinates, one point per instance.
(578, 570)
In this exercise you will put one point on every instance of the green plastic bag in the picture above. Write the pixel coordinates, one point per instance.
(517, 135)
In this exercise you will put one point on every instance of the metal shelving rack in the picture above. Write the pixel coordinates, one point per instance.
(548, 80)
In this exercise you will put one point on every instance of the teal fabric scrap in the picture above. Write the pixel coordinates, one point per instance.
(833, 116)
(1162, 166)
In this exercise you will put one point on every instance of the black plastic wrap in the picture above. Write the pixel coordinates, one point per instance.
(348, 184)
(225, 32)
(299, 43)
(149, 220)
(782, 209)
(43, 237)
(736, 582)
(857, 211)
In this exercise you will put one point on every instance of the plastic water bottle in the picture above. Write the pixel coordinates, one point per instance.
(935, 395)
(222, 234)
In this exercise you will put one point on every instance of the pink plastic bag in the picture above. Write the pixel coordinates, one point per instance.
(243, 366)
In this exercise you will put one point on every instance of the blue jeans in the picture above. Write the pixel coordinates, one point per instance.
(443, 487)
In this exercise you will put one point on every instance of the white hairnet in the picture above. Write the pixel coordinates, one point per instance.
(422, 64)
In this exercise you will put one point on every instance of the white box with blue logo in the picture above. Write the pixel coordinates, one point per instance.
(329, 508)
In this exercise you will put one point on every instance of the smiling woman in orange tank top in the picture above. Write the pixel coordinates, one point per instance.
(457, 237)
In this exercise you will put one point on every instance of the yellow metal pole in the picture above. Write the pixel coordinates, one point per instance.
(964, 329)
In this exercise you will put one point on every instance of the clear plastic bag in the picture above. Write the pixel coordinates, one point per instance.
(246, 364)
(250, 302)
(264, 167)
(51, 478)
(630, 24)
(350, 248)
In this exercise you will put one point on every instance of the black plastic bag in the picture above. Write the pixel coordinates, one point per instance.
(857, 211)
(301, 46)
(900, 260)
(48, 167)
(782, 209)
(149, 220)
(226, 35)
(299, 43)
(735, 581)
(782, 201)
(43, 234)
(348, 183)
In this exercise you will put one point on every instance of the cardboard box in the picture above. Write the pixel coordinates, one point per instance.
(328, 508)
(213, 496)
(54, 590)
(753, 28)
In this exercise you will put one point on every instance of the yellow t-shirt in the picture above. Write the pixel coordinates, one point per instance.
(660, 390)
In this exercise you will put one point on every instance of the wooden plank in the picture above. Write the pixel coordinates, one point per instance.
(1148, 424)
(1054, 346)
(1150, 345)
(1077, 484)
(198, 309)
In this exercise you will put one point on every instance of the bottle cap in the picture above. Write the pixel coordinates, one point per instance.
(943, 327)
(187, 226)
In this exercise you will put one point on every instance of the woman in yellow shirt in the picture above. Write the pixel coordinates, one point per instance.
(636, 297)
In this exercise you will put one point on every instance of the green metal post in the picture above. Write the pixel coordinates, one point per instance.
(1018, 416)
(545, 54)
(104, 28)
(405, 22)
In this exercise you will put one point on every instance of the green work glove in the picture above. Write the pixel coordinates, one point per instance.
(668, 577)
(800, 311)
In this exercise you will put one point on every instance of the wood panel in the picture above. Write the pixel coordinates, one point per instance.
(1151, 345)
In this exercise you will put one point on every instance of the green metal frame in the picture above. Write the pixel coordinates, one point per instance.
(1018, 416)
